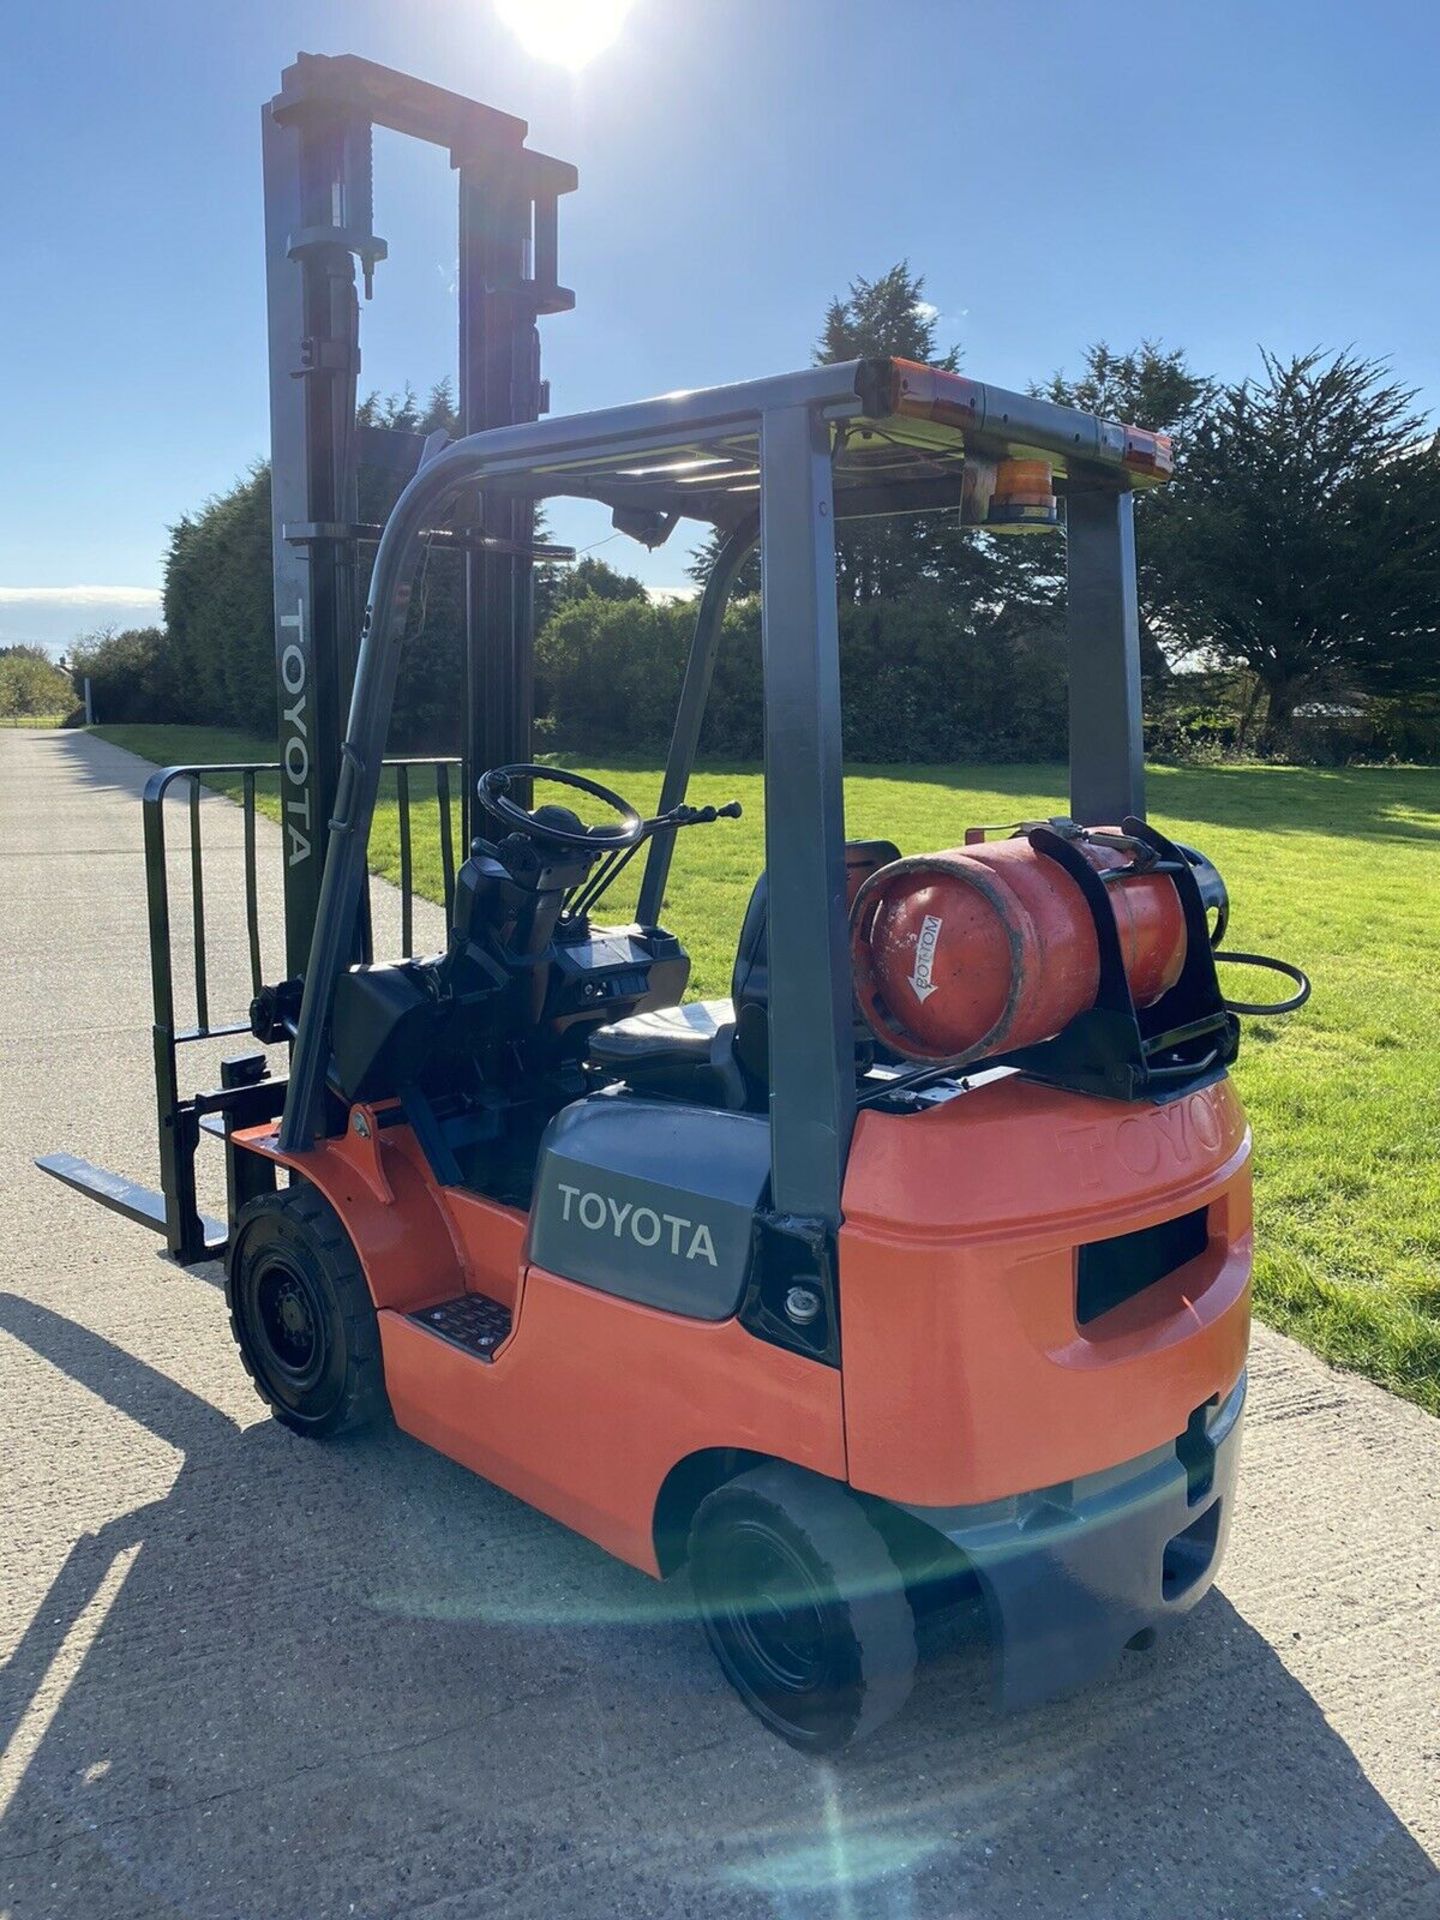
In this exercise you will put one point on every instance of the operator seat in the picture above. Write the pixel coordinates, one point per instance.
(716, 1052)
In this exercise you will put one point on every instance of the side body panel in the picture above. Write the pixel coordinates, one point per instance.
(652, 1201)
(967, 1377)
(592, 1400)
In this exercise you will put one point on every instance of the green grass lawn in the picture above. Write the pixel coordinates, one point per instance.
(1338, 871)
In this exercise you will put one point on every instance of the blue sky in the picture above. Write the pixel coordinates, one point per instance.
(1217, 174)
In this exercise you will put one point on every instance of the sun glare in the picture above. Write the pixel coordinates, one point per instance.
(569, 32)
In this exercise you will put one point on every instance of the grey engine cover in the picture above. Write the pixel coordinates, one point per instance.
(651, 1200)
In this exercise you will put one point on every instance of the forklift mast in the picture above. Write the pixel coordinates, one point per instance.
(317, 141)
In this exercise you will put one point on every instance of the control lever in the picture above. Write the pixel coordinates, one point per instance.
(583, 899)
(683, 816)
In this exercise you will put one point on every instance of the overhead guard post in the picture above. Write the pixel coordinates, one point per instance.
(812, 1049)
(1102, 618)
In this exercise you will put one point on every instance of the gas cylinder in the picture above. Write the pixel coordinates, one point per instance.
(979, 949)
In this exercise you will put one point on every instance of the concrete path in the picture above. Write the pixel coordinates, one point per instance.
(248, 1675)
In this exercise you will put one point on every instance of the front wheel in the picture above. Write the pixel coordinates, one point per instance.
(803, 1606)
(302, 1316)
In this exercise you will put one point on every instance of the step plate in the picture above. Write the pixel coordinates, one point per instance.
(474, 1322)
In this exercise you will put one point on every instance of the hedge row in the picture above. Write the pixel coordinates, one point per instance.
(918, 681)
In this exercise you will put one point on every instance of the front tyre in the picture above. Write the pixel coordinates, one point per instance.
(803, 1606)
(302, 1316)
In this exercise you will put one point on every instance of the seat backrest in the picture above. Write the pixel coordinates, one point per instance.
(750, 979)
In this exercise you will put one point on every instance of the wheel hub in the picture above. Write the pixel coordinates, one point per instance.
(292, 1314)
(775, 1615)
(288, 1321)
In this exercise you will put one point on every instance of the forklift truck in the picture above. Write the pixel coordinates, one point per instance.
(842, 1320)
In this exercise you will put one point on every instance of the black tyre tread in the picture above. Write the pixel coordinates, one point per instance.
(364, 1402)
(835, 1527)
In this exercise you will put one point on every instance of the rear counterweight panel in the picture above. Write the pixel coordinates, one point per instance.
(969, 1375)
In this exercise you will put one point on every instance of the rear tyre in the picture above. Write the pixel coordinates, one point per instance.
(803, 1606)
(302, 1316)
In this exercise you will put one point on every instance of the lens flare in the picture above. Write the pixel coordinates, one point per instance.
(568, 32)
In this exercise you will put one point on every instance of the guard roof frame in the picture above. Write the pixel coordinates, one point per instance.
(790, 422)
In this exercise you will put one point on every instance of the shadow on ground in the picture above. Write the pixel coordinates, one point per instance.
(1366, 803)
(1369, 803)
(354, 1680)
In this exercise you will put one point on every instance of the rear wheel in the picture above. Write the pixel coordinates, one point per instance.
(804, 1608)
(302, 1316)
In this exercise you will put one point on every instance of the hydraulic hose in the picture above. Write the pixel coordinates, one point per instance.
(1301, 979)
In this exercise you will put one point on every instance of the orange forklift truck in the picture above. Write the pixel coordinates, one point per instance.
(918, 1266)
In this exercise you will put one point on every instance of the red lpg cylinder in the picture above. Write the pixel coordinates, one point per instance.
(977, 949)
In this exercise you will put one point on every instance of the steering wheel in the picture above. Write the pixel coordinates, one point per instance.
(494, 787)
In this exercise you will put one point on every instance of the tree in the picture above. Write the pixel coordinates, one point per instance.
(1001, 629)
(889, 317)
(219, 610)
(608, 672)
(402, 413)
(130, 674)
(557, 583)
(428, 709)
(885, 317)
(1151, 386)
(219, 641)
(1302, 539)
(31, 685)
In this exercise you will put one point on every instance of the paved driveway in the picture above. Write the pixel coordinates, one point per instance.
(248, 1675)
